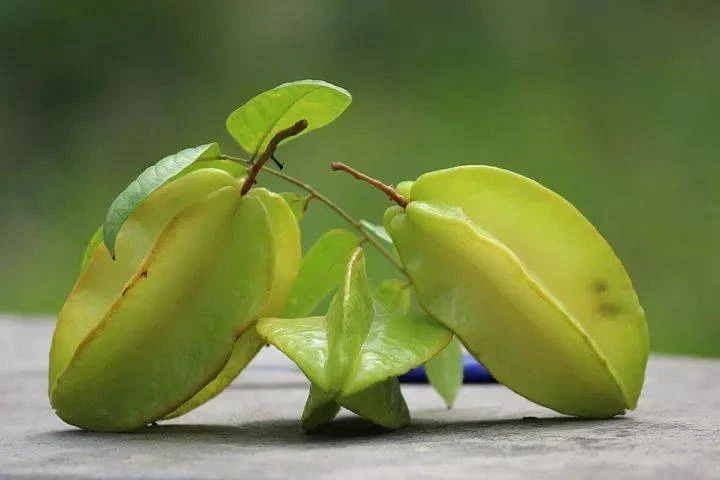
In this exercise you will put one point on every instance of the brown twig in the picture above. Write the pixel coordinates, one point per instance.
(386, 189)
(268, 153)
(367, 236)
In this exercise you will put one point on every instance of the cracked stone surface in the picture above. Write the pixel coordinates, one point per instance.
(251, 430)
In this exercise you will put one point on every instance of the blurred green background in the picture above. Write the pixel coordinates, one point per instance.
(614, 105)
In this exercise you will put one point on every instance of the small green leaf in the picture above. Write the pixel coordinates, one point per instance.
(377, 230)
(255, 123)
(298, 203)
(147, 182)
(321, 270)
(445, 371)
(95, 240)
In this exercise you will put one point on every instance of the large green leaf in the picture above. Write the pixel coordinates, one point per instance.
(352, 355)
(255, 123)
(147, 182)
(445, 371)
(321, 270)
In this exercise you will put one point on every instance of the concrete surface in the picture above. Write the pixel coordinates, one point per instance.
(250, 431)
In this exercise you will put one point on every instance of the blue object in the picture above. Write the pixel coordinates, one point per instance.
(473, 372)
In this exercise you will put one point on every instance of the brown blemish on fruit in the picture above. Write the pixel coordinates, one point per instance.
(600, 286)
(608, 309)
(143, 274)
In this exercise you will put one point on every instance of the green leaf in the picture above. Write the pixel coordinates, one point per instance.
(321, 270)
(255, 123)
(297, 203)
(353, 354)
(445, 371)
(95, 240)
(377, 230)
(147, 182)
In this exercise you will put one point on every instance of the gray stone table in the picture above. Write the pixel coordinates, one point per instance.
(251, 430)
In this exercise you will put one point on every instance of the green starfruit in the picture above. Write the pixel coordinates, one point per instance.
(527, 284)
(170, 321)
(353, 355)
(285, 242)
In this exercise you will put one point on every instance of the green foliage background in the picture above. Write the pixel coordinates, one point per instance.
(614, 105)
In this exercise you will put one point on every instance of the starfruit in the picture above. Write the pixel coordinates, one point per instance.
(353, 355)
(527, 284)
(170, 321)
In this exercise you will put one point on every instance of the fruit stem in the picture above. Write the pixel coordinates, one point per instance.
(258, 164)
(367, 236)
(386, 189)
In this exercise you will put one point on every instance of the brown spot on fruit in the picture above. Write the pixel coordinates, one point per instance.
(609, 309)
(143, 274)
(600, 286)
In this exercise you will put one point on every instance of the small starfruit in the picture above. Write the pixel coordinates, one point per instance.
(527, 284)
(354, 354)
(169, 322)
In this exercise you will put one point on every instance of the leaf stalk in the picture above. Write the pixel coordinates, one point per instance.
(258, 164)
(386, 189)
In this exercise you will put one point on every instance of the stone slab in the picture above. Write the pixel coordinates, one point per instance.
(251, 430)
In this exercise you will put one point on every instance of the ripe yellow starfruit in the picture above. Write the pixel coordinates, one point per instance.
(170, 321)
(527, 284)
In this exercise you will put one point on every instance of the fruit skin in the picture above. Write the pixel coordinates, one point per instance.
(285, 235)
(528, 285)
(139, 336)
